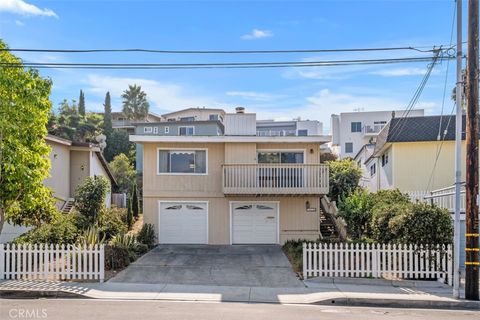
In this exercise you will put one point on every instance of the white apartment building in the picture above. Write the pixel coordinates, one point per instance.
(352, 130)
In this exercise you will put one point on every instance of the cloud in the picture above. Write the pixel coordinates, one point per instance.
(255, 96)
(19, 23)
(25, 9)
(257, 34)
(399, 72)
(163, 97)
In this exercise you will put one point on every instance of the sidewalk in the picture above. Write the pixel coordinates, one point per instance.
(323, 291)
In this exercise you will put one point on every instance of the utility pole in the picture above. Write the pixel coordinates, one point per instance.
(471, 186)
(458, 156)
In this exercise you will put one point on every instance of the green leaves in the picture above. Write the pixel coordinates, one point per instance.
(135, 104)
(123, 171)
(344, 178)
(90, 197)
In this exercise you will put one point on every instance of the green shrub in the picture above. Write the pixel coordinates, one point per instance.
(140, 248)
(124, 240)
(62, 230)
(344, 178)
(112, 222)
(129, 213)
(356, 210)
(116, 258)
(91, 236)
(90, 197)
(147, 235)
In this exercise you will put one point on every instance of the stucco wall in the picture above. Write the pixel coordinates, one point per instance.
(79, 168)
(59, 174)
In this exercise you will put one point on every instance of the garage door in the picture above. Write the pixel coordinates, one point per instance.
(254, 223)
(182, 222)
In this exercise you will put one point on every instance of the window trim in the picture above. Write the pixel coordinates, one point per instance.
(181, 173)
(351, 126)
(149, 131)
(167, 129)
(374, 166)
(283, 150)
(187, 135)
(346, 147)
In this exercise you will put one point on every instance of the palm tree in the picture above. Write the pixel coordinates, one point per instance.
(135, 104)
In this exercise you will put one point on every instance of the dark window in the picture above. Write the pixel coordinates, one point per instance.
(303, 132)
(384, 159)
(373, 170)
(187, 119)
(356, 127)
(182, 161)
(348, 147)
(280, 157)
(186, 131)
(214, 117)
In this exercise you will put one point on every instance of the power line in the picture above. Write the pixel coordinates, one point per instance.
(221, 65)
(418, 49)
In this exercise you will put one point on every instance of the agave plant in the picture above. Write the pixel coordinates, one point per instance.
(123, 240)
(92, 236)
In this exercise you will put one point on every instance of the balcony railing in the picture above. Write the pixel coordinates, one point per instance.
(372, 130)
(275, 179)
(121, 123)
(276, 133)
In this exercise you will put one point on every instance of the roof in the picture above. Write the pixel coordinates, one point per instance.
(192, 109)
(370, 149)
(105, 166)
(418, 129)
(52, 138)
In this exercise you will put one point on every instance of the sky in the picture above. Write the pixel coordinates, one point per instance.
(283, 93)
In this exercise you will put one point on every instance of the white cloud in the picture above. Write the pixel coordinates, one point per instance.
(163, 97)
(257, 34)
(399, 72)
(255, 96)
(25, 9)
(19, 23)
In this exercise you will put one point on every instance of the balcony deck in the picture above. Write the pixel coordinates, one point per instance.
(275, 179)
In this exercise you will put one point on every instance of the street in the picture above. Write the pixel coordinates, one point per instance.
(102, 309)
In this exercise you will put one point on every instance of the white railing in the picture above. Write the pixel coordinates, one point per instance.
(375, 129)
(276, 133)
(52, 262)
(443, 198)
(275, 179)
(378, 261)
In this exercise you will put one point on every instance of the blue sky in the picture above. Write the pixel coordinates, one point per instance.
(311, 93)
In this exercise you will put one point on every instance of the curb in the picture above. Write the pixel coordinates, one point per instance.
(38, 294)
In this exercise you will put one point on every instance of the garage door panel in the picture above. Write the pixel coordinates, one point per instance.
(183, 223)
(254, 223)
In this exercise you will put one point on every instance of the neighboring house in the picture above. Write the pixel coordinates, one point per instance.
(352, 130)
(195, 114)
(120, 122)
(367, 172)
(231, 188)
(289, 128)
(71, 163)
(415, 154)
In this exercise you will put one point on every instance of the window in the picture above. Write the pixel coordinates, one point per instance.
(373, 170)
(147, 129)
(186, 131)
(280, 157)
(187, 118)
(348, 147)
(155, 130)
(356, 127)
(182, 161)
(167, 129)
(303, 132)
(171, 119)
(215, 117)
(384, 159)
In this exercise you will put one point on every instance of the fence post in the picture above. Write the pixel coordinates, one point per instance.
(374, 261)
(102, 262)
(2, 261)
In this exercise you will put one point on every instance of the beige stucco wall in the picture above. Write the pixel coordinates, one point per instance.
(413, 164)
(79, 168)
(295, 221)
(59, 174)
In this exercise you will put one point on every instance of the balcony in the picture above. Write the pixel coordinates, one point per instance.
(276, 133)
(275, 179)
(374, 130)
(122, 123)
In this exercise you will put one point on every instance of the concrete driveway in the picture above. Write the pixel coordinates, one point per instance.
(238, 265)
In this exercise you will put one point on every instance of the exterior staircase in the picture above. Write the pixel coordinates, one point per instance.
(331, 225)
(68, 206)
(327, 226)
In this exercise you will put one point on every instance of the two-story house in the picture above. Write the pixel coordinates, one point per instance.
(228, 185)
(352, 130)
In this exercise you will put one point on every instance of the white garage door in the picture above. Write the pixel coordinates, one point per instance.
(254, 223)
(183, 222)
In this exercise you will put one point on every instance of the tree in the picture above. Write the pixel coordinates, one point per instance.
(90, 197)
(123, 171)
(24, 162)
(107, 116)
(135, 203)
(118, 143)
(356, 210)
(81, 104)
(344, 178)
(129, 212)
(135, 104)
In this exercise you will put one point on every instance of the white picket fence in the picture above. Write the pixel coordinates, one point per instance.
(389, 261)
(52, 262)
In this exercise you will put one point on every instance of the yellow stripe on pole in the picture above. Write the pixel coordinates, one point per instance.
(472, 234)
(472, 263)
(472, 249)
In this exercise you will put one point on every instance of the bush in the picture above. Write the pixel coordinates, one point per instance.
(147, 235)
(90, 197)
(294, 251)
(344, 178)
(112, 222)
(116, 258)
(356, 210)
(62, 230)
(129, 213)
(422, 224)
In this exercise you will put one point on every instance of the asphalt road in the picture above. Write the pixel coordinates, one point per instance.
(62, 309)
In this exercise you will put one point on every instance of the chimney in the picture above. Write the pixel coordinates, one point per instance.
(393, 114)
(240, 110)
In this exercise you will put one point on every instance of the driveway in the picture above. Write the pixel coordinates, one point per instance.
(238, 265)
